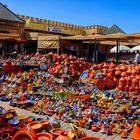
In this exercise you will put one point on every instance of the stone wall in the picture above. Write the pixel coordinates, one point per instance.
(65, 28)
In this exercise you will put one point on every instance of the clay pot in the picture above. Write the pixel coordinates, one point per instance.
(44, 136)
(91, 138)
(129, 81)
(129, 71)
(123, 74)
(135, 82)
(46, 125)
(5, 136)
(137, 68)
(135, 133)
(24, 133)
(118, 72)
(57, 132)
(11, 111)
(95, 66)
(123, 68)
(122, 82)
(117, 68)
(61, 137)
(112, 65)
(35, 126)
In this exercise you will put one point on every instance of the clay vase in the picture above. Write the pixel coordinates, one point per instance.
(135, 133)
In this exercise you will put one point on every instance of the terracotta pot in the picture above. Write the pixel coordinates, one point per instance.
(35, 126)
(109, 82)
(24, 133)
(123, 74)
(11, 111)
(91, 138)
(129, 71)
(61, 137)
(46, 125)
(118, 72)
(122, 82)
(135, 133)
(5, 136)
(44, 136)
(57, 132)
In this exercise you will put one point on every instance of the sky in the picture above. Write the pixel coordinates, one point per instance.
(124, 13)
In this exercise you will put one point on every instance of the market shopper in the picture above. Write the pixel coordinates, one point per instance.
(137, 58)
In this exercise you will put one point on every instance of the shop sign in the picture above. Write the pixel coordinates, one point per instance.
(54, 29)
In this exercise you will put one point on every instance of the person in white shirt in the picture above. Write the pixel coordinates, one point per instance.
(137, 58)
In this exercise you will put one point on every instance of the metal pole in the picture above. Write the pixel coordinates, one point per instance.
(95, 50)
(58, 46)
(117, 55)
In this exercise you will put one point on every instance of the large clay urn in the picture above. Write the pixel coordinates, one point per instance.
(135, 133)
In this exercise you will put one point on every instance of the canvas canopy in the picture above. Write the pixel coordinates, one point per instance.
(136, 48)
(121, 49)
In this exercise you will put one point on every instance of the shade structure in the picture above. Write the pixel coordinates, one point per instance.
(121, 49)
(136, 48)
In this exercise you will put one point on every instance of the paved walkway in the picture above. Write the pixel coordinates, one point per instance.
(64, 126)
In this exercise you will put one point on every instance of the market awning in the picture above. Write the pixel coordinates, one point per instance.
(48, 42)
(8, 35)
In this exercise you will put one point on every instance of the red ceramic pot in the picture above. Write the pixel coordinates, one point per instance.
(24, 133)
(5, 136)
(44, 136)
(35, 126)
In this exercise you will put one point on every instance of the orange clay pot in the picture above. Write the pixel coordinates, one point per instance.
(24, 133)
(44, 136)
(135, 133)
(35, 126)
(61, 137)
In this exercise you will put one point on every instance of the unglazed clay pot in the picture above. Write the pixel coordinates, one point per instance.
(57, 132)
(24, 133)
(135, 133)
(44, 136)
(61, 137)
